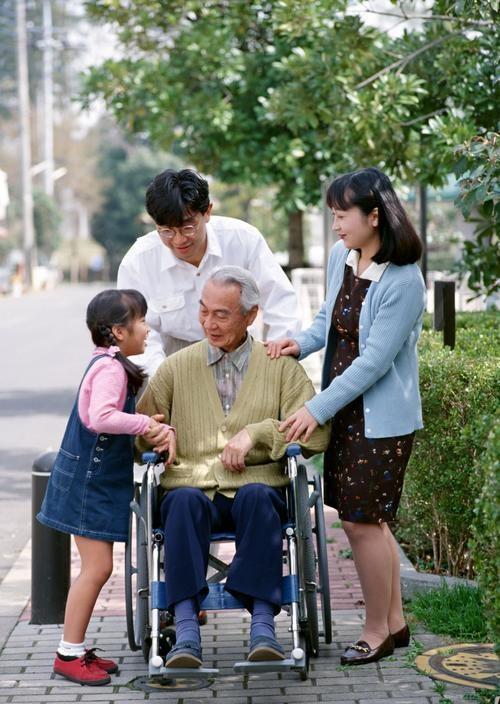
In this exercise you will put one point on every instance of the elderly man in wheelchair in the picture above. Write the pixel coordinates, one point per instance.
(225, 466)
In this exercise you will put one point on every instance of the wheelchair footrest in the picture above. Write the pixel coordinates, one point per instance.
(183, 672)
(247, 667)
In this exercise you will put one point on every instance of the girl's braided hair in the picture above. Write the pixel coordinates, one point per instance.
(117, 307)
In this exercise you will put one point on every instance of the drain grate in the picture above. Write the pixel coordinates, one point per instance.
(161, 684)
(469, 664)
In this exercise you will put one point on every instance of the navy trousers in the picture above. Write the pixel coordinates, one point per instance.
(255, 516)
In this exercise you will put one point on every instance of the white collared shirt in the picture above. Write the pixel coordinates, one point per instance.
(173, 287)
(373, 272)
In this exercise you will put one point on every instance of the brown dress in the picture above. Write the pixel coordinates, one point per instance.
(363, 476)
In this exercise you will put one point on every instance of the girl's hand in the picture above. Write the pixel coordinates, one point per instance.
(300, 424)
(162, 437)
(233, 455)
(170, 444)
(281, 348)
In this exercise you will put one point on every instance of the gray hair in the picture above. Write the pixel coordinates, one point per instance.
(237, 276)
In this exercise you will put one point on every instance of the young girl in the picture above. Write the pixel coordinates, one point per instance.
(369, 324)
(91, 484)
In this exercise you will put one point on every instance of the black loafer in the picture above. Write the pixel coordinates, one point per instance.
(360, 653)
(401, 638)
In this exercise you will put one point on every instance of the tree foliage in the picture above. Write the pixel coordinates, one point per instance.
(47, 223)
(479, 200)
(285, 93)
(126, 171)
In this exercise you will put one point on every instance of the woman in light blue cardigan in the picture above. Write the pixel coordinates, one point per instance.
(369, 323)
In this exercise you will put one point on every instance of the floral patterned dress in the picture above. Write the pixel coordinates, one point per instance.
(363, 476)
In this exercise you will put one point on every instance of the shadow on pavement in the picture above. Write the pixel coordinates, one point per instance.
(21, 402)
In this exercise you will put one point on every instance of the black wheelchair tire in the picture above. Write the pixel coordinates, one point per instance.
(142, 601)
(322, 552)
(130, 570)
(136, 602)
(307, 562)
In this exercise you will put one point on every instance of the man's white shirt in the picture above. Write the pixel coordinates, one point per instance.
(172, 287)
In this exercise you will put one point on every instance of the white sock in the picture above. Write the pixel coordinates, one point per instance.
(71, 649)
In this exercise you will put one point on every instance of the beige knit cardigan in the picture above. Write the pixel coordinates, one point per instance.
(184, 390)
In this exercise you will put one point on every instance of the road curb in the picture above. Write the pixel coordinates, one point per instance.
(413, 581)
(14, 593)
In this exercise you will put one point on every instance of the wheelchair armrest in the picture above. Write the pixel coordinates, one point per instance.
(152, 457)
(293, 450)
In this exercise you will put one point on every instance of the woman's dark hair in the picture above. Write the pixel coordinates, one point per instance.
(173, 196)
(368, 189)
(117, 307)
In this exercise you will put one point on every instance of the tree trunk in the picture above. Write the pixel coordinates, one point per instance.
(295, 240)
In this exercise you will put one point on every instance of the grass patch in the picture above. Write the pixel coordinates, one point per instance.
(345, 554)
(484, 696)
(457, 612)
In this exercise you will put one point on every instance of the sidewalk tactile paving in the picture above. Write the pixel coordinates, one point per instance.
(26, 661)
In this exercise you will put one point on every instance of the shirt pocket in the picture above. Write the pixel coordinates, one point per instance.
(169, 304)
(64, 470)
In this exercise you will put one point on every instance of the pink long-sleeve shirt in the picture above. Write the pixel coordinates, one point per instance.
(102, 396)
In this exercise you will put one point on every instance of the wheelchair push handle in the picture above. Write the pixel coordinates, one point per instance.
(293, 450)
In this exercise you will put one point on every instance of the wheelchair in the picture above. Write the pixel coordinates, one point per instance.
(150, 627)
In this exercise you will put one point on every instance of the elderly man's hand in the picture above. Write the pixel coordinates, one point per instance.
(161, 437)
(299, 426)
(233, 455)
(170, 444)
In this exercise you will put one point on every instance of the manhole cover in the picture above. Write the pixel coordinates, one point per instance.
(469, 664)
(179, 684)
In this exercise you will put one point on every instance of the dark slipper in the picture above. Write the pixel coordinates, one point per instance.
(184, 654)
(264, 648)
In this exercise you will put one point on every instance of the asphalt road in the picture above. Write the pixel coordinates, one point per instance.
(44, 348)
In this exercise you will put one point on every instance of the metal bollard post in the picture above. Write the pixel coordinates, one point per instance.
(50, 553)
(444, 310)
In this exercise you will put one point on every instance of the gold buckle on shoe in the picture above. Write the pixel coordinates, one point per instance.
(359, 648)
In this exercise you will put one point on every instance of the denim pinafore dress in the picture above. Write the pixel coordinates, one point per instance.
(92, 482)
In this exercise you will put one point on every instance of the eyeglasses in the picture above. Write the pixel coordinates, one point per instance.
(168, 233)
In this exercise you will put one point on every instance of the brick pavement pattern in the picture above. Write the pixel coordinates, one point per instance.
(26, 661)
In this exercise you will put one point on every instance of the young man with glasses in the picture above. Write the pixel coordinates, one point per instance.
(171, 264)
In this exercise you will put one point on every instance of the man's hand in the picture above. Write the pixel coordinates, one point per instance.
(233, 455)
(300, 424)
(281, 348)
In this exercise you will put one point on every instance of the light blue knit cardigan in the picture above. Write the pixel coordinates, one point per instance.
(386, 371)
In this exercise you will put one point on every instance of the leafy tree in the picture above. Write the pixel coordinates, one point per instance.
(127, 170)
(200, 75)
(479, 200)
(283, 93)
(47, 223)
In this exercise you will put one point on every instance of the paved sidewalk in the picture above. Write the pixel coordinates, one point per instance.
(26, 660)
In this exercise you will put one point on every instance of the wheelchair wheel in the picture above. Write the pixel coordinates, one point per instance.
(137, 577)
(307, 562)
(321, 546)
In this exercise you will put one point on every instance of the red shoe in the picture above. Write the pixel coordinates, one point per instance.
(108, 666)
(82, 670)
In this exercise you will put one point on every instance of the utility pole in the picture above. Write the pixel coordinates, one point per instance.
(48, 99)
(422, 212)
(327, 230)
(25, 139)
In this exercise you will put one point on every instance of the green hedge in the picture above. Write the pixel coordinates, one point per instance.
(446, 473)
(486, 534)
